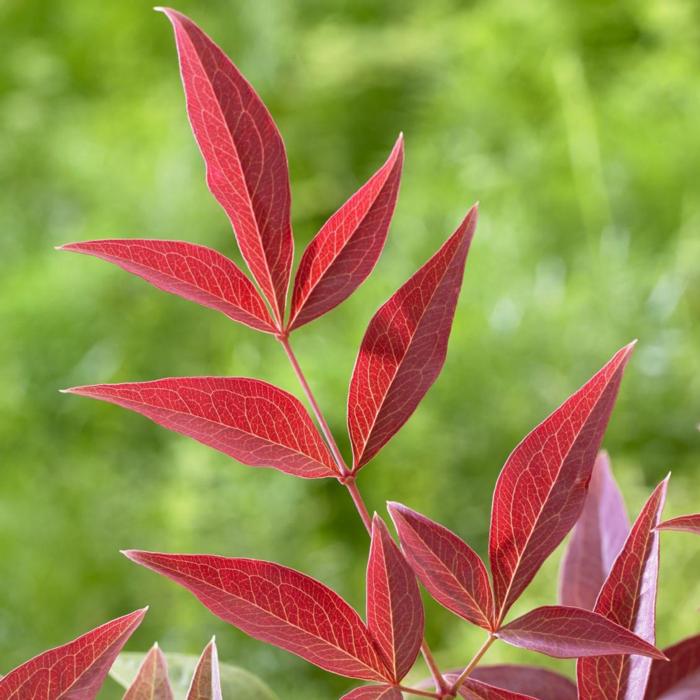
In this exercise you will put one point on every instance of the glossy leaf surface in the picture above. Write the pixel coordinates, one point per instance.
(373, 692)
(206, 680)
(450, 570)
(404, 347)
(347, 247)
(540, 683)
(597, 539)
(679, 677)
(190, 271)
(683, 523)
(279, 606)
(247, 419)
(244, 154)
(542, 487)
(151, 682)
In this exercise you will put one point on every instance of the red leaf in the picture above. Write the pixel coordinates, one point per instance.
(683, 523)
(279, 606)
(206, 684)
(394, 606)
(473, 689)
(567, 633)
(347, 247)
(74, 671)
(373, 692)
(450, 570)
(679, 677)
(597, 539)
(541, 489)
(151, 682)
(191, 271)
(250, 420)
(540, 683)
(628, 598)
(404, 347)
(245, 157)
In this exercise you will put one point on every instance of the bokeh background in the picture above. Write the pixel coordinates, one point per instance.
(575, 123)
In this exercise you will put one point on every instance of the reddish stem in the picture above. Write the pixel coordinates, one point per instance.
(473, 663)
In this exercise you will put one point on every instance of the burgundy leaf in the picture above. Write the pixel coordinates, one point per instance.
(679, 677)
(404, 347)
(450, 570)
(347, 247)
(683, 523)
(567, 633)
(191, 271)
(540, 683)
(542, 487)
(206, 684)
(628, 598)
(373, 692)
(151, 682)
(473, 689)
(394, 606)
(74, 671)
(279, 606)
(252, 421)
(244, 154)
(599, 534)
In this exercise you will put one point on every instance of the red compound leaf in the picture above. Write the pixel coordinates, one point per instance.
(540, 683)
(373, 692)
(244, 154)
(279, 606)
(542, 487)
(151, 682)
(679, 677)
(74, 671)
(206, 683)
(347, 247)
(247, 419)
(405, 346)
(683, 523)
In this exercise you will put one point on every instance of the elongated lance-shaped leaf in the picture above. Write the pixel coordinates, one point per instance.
(374, 692)
(151, 682)
(347, 247)
(679, 677)
(596, 541)
(405, 346)
(244, 154)
(682, 523)
(628, 597)
(191, 271)
(279, 606)
(394, 607)
(542, 487)
(473, 689)
(206, 681)
(252, 421)
(74, 671)
(540, 683)
(451, 571)
(568, 633)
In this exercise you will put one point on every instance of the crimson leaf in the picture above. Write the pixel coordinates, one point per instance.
(628, 598)
(679, 677)
(542, 487)
(596, 541)
(151, 682)
(404, 347)
(394, 607)
(347, 247)
(541, 683)
(250, 420)
(206, 683)
(473, 689)
(373, 692)
(74, 671)
(244, 154)
(279, 606)
(567, 633)
(191, 271)
(683, 523)
(451, 571)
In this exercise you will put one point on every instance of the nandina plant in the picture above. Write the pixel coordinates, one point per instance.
(554, 480)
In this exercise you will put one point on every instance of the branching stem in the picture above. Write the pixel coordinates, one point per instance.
(473, 663)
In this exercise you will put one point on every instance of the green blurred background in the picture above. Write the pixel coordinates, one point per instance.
(575, 123)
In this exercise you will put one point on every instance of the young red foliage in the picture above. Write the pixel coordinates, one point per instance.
(151, 682)
(473, 689)
(628, 597)
(74, 671)
(190, 271)
(404, 347)
(568, 633)
(542, 487)
(394, 606)
(244, 154)
(250, 420)
(679, 677)
(540, 683)
(347, 247)
(277, 605)
(451, 571)
(597, 539)
(206, 683)
(683, 523)
(374, 692)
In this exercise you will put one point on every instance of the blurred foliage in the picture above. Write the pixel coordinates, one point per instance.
(574, 122)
